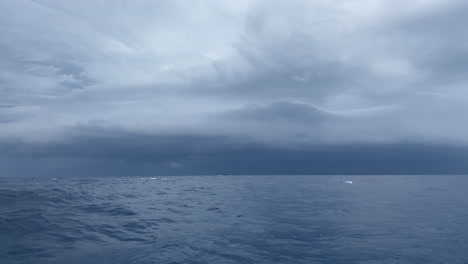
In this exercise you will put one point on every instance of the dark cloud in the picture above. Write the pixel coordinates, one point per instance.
(278, 111)
(199, 156)
(247, 86)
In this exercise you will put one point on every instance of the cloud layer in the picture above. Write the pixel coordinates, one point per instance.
(187, 84)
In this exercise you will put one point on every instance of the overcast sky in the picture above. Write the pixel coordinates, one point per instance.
(153, 87)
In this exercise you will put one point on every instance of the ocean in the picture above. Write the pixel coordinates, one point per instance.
(235, 219)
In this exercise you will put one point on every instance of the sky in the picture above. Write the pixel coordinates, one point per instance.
(194, 87)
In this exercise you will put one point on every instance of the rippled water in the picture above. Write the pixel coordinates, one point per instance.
(235, 219)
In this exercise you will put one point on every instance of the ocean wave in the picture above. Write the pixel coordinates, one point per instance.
(233, 220)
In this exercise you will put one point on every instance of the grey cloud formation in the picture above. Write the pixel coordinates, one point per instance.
(190, 87)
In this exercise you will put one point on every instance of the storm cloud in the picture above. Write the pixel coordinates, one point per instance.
(245, 87)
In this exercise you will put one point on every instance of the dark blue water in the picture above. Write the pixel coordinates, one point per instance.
(235, 219)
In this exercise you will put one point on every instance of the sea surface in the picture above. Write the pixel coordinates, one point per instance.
(235, 219)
